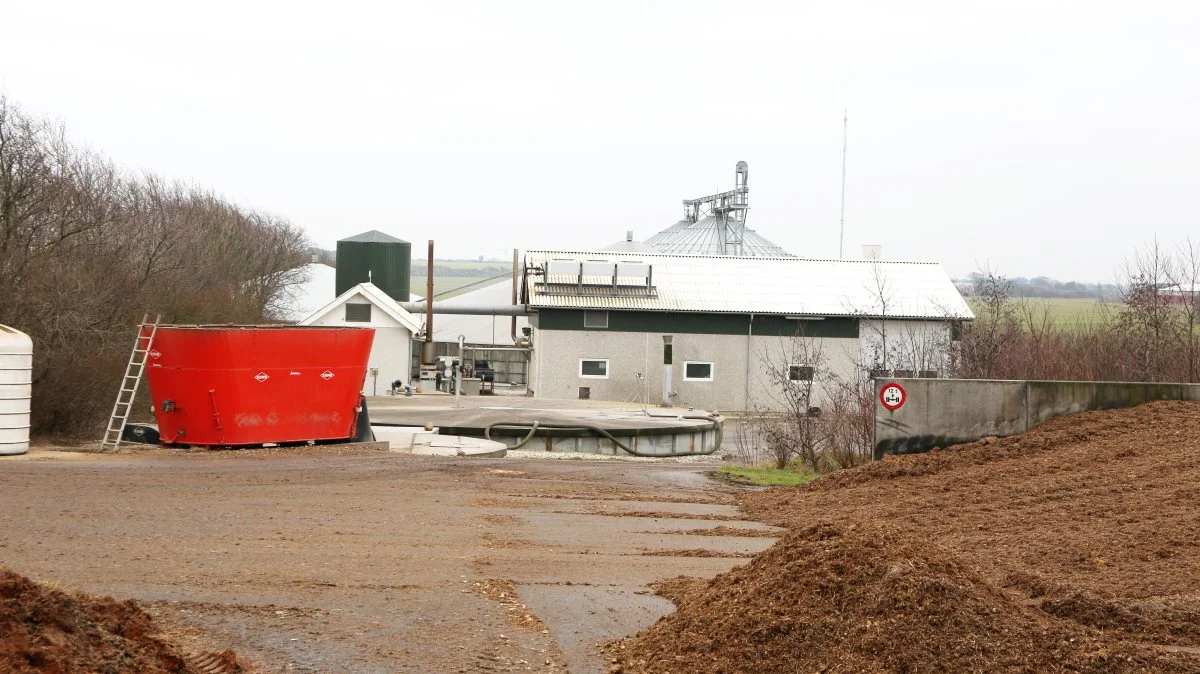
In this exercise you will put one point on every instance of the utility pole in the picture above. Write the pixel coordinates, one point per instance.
(842, 230)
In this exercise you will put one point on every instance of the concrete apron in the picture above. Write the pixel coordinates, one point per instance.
(418, 441)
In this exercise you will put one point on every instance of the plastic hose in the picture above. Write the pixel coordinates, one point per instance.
(487, 434)
(716, 425)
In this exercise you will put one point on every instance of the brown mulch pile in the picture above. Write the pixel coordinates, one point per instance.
(43, 629)
(1073, 547)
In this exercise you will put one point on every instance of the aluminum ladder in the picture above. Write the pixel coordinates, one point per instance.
(129, 384)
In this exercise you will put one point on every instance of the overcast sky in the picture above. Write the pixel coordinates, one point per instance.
(1044, 138)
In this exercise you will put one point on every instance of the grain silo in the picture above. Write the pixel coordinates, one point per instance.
(716, 225)
(377, 258)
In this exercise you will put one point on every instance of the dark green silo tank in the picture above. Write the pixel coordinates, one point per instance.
(379, 258)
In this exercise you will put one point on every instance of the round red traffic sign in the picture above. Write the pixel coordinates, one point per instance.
(892, 396)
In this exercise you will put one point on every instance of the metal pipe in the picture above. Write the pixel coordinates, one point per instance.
(514, 296)
(464, 310)
(458, 373)
(429, 295)
(666, 389)
(498, 348)
(749, 339)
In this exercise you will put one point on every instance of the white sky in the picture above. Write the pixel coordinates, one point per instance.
(1044, 138)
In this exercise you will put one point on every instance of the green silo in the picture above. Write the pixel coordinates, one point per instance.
(376, 257)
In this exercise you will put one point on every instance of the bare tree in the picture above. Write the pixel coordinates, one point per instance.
(1151, 321)
(875, 350)
(1184, 275)
(849, 417)
(85, 249)
(986, 340)
(790, 425)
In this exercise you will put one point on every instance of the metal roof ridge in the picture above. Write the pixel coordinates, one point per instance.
(701, 256)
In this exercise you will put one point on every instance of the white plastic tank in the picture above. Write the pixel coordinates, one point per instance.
(16, 377)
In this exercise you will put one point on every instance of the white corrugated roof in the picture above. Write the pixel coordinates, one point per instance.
(761, 285)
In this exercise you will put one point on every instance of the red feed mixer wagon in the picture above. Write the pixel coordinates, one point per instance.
(254, 385)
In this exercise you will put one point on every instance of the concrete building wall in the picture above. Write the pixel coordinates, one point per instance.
(635, 366)
(942, 412)
(391, 351)
(913, 346)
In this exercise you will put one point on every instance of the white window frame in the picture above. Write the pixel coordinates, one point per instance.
(712, 370)
(595, 327)
(594, 376)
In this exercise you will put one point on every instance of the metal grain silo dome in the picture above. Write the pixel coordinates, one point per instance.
(716, 225)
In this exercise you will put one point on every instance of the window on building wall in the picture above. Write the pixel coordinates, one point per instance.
(593, 368)
(800, 373)
(595, 319)
(697, 371)
(358, 313)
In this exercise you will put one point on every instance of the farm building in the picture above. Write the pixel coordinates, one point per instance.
(366, 306)
(602, 323)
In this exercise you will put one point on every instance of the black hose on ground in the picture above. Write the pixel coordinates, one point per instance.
(716, 425)
(487, 434)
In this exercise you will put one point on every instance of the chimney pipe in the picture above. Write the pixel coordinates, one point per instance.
(428, 354)
(514, 296)
(629, 235)
(429, 295)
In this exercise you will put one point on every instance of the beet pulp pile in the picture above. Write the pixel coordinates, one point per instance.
(1072, 548)
(43, 629)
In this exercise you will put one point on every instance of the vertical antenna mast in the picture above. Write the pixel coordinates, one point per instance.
(842, 230)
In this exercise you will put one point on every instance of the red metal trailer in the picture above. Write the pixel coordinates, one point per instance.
(235, 385)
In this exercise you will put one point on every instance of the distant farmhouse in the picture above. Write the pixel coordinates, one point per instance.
(728, 305)
(695, 315)
(600, 321)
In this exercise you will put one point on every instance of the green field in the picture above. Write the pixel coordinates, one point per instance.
(455, 277)
(445, 287)
(766, 476)
(1064, 314)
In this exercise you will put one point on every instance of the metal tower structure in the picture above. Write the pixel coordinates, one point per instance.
(729, 208)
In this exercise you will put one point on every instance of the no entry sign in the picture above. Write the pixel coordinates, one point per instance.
(892, 396)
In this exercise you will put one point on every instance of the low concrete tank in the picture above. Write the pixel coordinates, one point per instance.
(16, 377)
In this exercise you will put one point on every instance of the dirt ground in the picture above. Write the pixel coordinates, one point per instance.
(1073, 547)
(323, 559)
(1070, 548)
(45, 629)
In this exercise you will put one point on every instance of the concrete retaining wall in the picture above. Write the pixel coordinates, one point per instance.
(942, 412)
